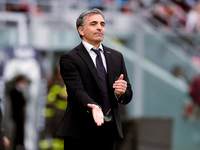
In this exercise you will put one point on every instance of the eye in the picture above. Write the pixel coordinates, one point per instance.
(93, 23)
(103, 24)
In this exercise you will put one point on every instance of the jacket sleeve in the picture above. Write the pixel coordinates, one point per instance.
(127, 96)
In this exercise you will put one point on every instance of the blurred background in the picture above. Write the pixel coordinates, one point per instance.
(159, 40)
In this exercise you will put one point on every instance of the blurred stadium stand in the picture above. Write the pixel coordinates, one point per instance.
(151, 46)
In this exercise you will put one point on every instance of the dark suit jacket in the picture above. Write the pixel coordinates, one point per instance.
(83, 87)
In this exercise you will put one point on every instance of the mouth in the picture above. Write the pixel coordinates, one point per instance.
(99, 33)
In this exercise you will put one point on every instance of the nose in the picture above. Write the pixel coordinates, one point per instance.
(99, 27)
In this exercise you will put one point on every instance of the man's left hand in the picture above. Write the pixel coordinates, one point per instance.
(120, 86)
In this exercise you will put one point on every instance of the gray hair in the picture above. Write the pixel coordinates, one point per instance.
(81, 19)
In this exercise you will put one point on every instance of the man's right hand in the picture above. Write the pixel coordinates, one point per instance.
(97, 114)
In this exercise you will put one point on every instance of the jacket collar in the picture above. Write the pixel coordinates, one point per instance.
(110, 65)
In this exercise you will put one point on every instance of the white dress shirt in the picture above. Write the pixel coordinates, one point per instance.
(93, 55)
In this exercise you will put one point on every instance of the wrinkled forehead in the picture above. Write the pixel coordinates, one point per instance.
(95, 17)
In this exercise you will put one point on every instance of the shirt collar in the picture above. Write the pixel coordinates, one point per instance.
(89, 46)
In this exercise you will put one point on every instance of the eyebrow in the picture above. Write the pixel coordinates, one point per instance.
(96, 22)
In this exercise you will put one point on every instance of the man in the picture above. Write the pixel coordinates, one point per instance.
(18, 106)
(4, 142)
(96, 80)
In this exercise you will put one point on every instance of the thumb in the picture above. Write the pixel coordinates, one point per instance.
(121, 77)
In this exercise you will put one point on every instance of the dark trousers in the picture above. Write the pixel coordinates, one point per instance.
(104, 140)
(88, 144)
(1, 141)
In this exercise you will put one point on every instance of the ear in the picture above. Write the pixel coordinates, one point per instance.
(81, 30)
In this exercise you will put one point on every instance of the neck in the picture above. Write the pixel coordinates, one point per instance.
(95, 44)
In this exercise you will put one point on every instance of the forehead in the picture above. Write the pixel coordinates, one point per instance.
(94, 17)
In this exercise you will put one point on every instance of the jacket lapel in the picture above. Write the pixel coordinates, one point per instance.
(110, 66)
(83, 53)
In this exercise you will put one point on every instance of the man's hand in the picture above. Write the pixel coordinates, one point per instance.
(6, 141)
(120, 86)
(97, 114)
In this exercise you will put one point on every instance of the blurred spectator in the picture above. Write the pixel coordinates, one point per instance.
(121, 2)
(184, 4)
(160, 13)
(170, 14)
(35, 10)
(196, 61)
(191, 110)
(56, 103)
(96, 4)
(195, 90)
(193, 19)
(108, 1)
(178, 72)
(127, 7)
(18, 104)
(20, 7)
(191, 3)
(4, 142)
(145, 3)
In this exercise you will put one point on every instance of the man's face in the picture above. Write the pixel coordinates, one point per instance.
(94, 29)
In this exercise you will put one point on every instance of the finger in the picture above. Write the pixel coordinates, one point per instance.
(121, 77)
(99, 122)
(99, 119)
(116, 86)
(120, 91)
(90, 105)
(120, 82)
(102, 120)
